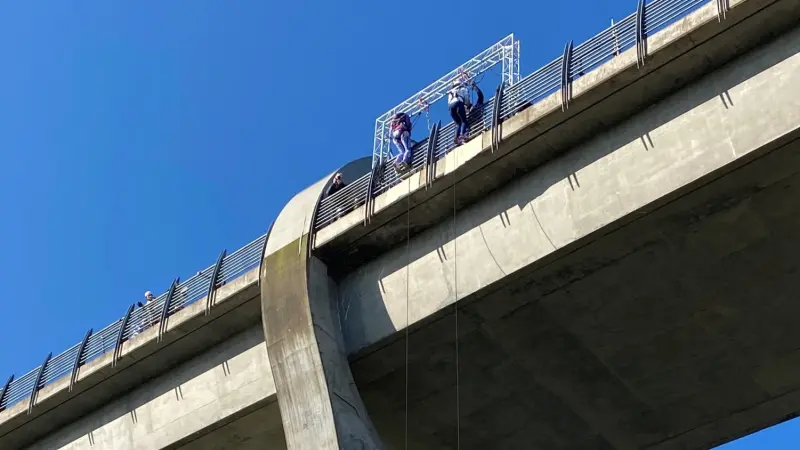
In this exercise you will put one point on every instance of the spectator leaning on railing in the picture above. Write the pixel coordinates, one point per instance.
(149, 317)
(337, 184)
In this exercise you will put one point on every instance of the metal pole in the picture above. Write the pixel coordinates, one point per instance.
(212, 283)
(77, 362)
(120, 336)
(37, 383)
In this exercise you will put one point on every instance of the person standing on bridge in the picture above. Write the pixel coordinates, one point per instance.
(335, 187)
(150, 318)
(147, 316)
(337, 184)
(400, 126)
(458, 102)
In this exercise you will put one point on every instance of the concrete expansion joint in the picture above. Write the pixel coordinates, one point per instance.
(324, 331)
(348, 403)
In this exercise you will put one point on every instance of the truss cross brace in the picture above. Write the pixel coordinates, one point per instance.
(505, 52)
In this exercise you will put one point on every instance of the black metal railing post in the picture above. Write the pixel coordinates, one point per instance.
(165, 309)
(498, 99)
(77, 362)
(38, 382)
(118, 343)
(430, 158)
(641, 41)
(723, 6)
(4, 391)
(212, 282)
(566, 76)
(370, 190)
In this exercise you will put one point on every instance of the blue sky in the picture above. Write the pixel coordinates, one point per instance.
(138, 139)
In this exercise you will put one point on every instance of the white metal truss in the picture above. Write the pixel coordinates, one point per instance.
(505, 52)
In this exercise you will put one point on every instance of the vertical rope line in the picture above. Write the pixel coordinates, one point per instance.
(408, 262)
(455, 305)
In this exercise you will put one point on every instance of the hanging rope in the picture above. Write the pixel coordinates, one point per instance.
(408, 263)
(455, 310)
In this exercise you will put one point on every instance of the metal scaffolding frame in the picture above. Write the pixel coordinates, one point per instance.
(504, 52)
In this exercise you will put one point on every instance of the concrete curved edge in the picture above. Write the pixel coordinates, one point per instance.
(320, 405)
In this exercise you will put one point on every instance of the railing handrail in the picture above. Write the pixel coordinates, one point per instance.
(193, 289)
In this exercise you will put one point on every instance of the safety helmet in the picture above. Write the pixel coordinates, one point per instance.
(148, 294)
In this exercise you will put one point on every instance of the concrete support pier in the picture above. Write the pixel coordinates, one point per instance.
(320, 405)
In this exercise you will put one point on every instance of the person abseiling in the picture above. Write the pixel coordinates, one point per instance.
(458, 101)
(400, 127)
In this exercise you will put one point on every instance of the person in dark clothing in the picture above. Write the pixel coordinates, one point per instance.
(458, 103)
(478, 103)
(336, 185)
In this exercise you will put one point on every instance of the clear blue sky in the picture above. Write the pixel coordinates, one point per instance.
(138, 139)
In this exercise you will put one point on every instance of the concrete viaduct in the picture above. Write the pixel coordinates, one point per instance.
(622, 274)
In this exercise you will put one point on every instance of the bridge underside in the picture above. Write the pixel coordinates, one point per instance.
(256, 430)
(677, 329)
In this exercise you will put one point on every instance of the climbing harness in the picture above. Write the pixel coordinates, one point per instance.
(401, 122)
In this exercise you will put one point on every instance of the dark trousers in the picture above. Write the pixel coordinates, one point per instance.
(459, 115)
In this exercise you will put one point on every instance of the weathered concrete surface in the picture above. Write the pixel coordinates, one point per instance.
(320, 405)
(636, 292)
(207, 398)
(693, 46)
(241, 434)
(189, 332)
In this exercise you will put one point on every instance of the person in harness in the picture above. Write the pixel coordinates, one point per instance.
(458, 102)
(400, 127)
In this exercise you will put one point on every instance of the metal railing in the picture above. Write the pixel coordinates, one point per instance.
(195, 288)
(554, 76)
